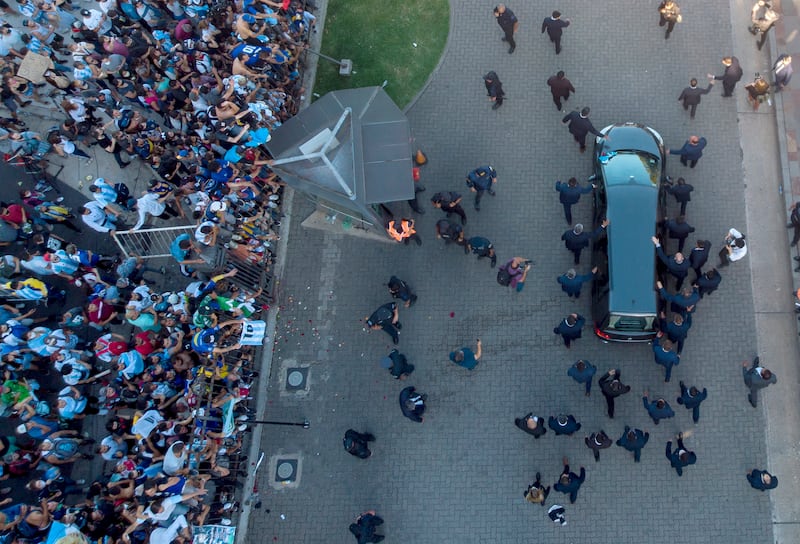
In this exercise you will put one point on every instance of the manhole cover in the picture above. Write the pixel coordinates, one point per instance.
(286, 470)
(295, 378)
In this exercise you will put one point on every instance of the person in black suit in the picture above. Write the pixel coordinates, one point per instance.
(356, 443)
(612, 387)
(730, 77)
(690, 96)
(677, 330)
(762, 480)
(691, 151)
(364, 529)
(699, 256)
(682, 192)
(569, 482)
(569, 193)
(412, 404)
(691, 398)
(575, 239)
(596, 442)
(676, 264)
(580, 126)
(680, 457)
(679, 229)
(560, 87)
(708, 282)
(570, 328)
(494, 88)
(531, 424)
(794, 223)
(633, 440)
(564, 424)
(509, 23)
(555, 26)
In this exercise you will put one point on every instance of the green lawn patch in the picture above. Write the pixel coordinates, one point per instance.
(379, 37)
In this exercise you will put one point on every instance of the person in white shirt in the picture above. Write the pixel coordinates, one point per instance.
(734, 249)
(98, 217)
(153, 204)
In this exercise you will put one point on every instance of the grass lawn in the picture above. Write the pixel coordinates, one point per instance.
(379, 37)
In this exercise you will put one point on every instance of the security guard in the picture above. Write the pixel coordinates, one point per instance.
(479, 180)
(403, 231)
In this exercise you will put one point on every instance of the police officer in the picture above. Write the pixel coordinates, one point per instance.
(387, 317)
(633, 440)
(449, 202)
(400, 289)
(494, 88)
(356, 443)
(482, 247)
(479, 180)
(450, 233)
(569, 194)
(509, 23)
(403, 231)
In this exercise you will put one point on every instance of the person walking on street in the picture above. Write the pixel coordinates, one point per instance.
(690, 96)
(596, 442)
(678, 229)
(677, 329)
(482, 247)
(466, 358)
(575, 239)
(664, 356)
(569, 483)
(531, 424)
(755, 378)
(450, 232)
(612, 387)
(365, 526)
(403, 231)
(783, 71)
(412, 404)
(734, 248)
(400, 289)
(682, 192)
(397, 364)
(669, 13)
(757, 91)
(509, 23)
(536, 492)
(633, 440)
(580, 126)
(494, 88)
(356, 443)
(571, 283)
(763, 18)
(583, 372)
(762, 480)
(517, 272)
(684, 302)
(658, 409)
(709, 282)
(698, 257)
(564, 424)
(450, 203)
(680, 457)
(676, 264)
(479, 180)
(555, 25)
(569, 193)
(691, 398)
(794, 223)
(560, 87)
(387, 317)
(691, 151)
(570, 328)
(730, 77)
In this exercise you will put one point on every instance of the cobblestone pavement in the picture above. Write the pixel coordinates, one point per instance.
(460, 476)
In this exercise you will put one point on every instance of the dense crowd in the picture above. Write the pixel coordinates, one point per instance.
(193, 89)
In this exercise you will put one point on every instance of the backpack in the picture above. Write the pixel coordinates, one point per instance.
(125, 121)
(503, 277)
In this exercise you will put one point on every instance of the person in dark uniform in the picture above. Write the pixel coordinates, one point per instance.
(680, 457)
(681, 191)
(494, 88)
(676, 264)
(555, 25)
(571, 282)
(691, 398)
(612, 387)
(356, 443)
(756, 378)
(397, 364)
(678, 229)
(387, 318)
(450, 233)
(580, 126)
(531, 424)
(569, 193)
(596, 442)
(449, 202)
(676, 330)
(509, 23)
(658, 409)
(479, 180)
(762, 480)
(684, 302)
(708, 282)
(364, 527)
(482, 247)
(412, 404)
(560, 87)
(794, 223)
(691, 151)
(569, 482)
(564, 424)
(633, 440)
(690, 96)
(570, 328)
(583, 372)
(575, 239)
(663, 354)
(730, 77)
(698, 257)
(400, 289)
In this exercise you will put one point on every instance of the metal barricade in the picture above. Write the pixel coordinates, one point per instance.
(150, 243)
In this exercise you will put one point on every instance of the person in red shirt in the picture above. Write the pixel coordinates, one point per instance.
(14, 215)
(100, 313)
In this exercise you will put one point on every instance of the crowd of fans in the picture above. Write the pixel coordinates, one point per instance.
(193, 89)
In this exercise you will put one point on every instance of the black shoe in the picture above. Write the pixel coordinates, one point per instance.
(503, 39)
(398, 326)
(797, 258)
(493, 263)
(418, 240)
(496, 105)
(477, 208)
(511, 50)
(491, 192)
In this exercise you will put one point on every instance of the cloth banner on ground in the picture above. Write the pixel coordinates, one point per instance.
(213, 534)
